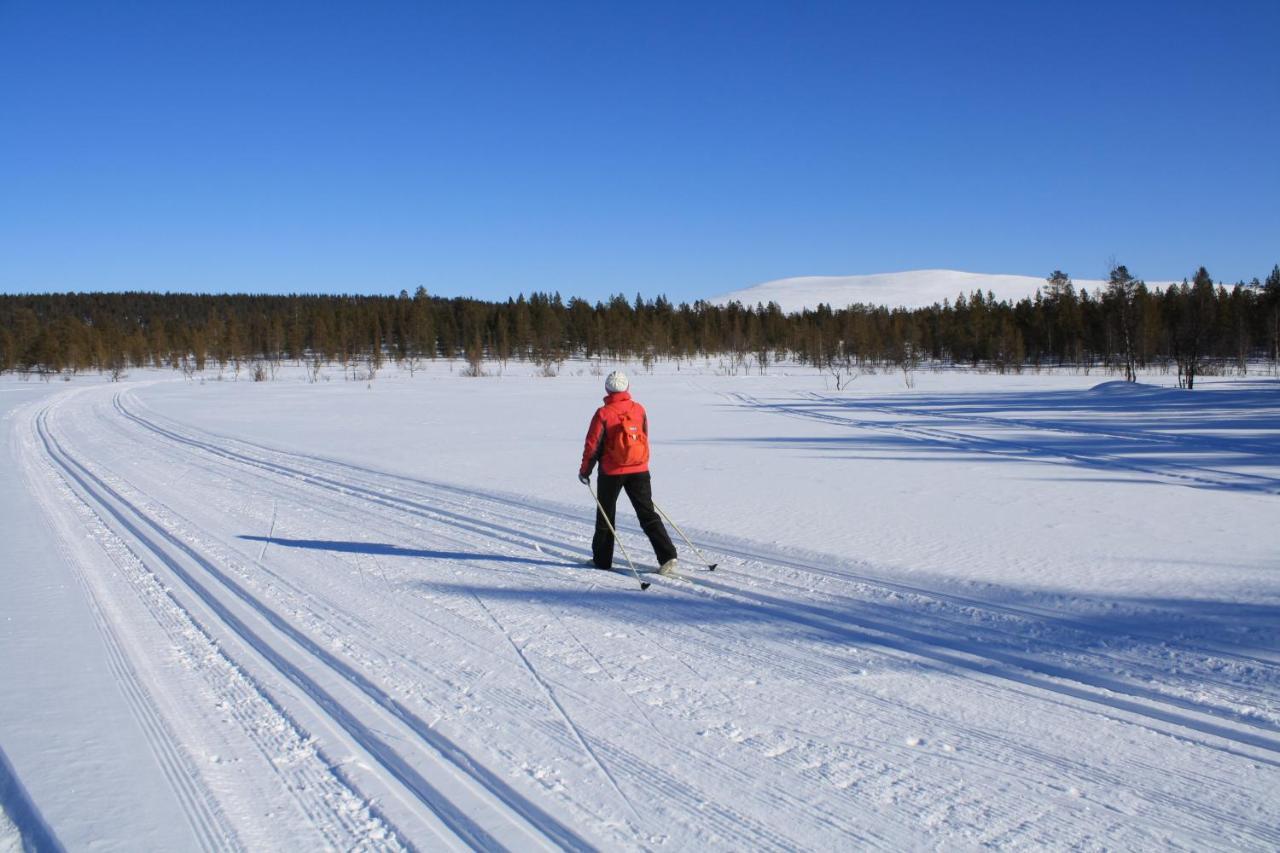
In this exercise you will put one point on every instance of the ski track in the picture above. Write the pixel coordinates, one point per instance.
(932, 645)
(437, 494)
(444, 494)
(729, 824)
(318, 793)
(169, 550)
(908, 424)
(840, 623)
(1160, 440)
(889, 623)
(1252, 656)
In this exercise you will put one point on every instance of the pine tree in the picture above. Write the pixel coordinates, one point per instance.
(1271, 291)
(1122, 291)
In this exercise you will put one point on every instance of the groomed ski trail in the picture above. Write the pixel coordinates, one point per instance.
(812, 639)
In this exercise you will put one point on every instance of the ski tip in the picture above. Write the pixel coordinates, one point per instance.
(644, 585)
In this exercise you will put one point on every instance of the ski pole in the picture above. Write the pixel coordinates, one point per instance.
(710, 566)
(616, 538)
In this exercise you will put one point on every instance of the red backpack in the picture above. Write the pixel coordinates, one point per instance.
(626, 444)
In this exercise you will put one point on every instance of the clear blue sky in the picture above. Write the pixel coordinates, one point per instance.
(681, 148)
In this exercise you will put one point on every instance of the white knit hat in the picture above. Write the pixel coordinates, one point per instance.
(616, 381)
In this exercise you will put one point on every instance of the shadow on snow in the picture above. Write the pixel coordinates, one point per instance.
(382, 549)
(1071, 651)
(1073, 661)
(1219, 438)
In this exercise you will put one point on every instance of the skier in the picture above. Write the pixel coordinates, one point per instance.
(618, 438)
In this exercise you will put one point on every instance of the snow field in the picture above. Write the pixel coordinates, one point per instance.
(1023, 611)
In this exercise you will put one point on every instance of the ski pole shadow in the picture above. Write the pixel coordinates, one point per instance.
(383, 549)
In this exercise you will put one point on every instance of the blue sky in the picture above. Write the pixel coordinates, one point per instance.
(594, 148)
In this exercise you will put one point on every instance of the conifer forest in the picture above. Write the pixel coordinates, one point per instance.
(1196, 327)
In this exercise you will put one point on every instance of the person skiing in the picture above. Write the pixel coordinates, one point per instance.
(618, 438)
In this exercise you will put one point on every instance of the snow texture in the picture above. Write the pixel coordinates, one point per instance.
(1020, 611)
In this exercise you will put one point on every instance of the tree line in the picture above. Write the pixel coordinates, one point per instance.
(1192, 327)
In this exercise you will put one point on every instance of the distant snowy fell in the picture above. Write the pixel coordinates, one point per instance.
(912, 289)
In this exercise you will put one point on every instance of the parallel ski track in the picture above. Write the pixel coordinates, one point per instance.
(522, 511)
(946, 650)
(460, 497)
(1159, 439)
(1253, 656)
(741, 831)
(733, 826)
(1177, 473)
(211, 828)
(730, 549)
(179, 558)
(319, 791)
(445, 493)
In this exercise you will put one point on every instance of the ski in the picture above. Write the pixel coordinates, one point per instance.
(626, 573)
(645, 575)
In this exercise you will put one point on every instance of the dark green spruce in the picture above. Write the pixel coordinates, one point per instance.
(1195, 327)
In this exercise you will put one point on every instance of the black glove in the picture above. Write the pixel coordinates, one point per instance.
(584, 479)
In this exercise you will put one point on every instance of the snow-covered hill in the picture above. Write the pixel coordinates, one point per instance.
(912, 289)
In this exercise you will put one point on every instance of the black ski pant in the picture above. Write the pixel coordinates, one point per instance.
(608, 487)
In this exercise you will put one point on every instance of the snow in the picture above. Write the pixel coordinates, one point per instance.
(911, 289)
(1022, 610)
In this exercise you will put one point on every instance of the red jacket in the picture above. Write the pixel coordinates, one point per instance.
(606, 418)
